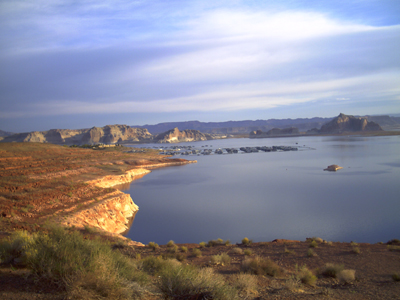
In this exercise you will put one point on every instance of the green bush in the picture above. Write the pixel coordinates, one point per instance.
(171, 243)
(86, 267)
(260, 266)
(184, 249)
(188, 282)
(202, 244)
(153, 245)
(313, 244)
(246, 241)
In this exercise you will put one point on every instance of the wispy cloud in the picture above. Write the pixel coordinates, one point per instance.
(99, 57)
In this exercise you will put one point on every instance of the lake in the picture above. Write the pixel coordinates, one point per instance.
(269, 195)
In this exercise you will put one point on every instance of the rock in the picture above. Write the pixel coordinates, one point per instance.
(333, 168)
(345, 123)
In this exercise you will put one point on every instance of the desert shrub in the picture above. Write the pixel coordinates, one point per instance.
(396, 276)
(188, 282)
(311, 253)
(222, 259)
(394, 242)
(227, 243)
(260, 266)
(305, 275)
(313, 244)
(248, 252)
(184, 249)
(237, 250)
(202, 244)
(90, 229)
(154, 265)
(346, 276)
(246, 284)
(153, 245)
(393, 248)
(180, 256)
(356, 250)
(196, 252)
(171, 243)
(87, 267)
(246, 241)
(173, 249)
(332, 270)
(329, 243)
(18, 249)
(292, 283)
(216, 242)
(287, 251)
(353, 244)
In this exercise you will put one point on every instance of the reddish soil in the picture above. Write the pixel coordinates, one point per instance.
(39, 181)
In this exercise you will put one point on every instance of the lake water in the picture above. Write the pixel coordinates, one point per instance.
(264, 196)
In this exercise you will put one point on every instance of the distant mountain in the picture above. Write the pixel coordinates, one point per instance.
(5, 133)
(346, 123)
(275, 132)
(238, 127)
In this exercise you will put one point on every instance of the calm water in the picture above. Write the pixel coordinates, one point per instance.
(264, 196)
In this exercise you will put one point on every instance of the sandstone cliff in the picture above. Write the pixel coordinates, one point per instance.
(175, 136)
(109, 134)
(346, 123)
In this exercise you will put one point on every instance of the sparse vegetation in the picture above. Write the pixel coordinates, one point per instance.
(87, 267)
(313, 244)
(356, 250)
(153, 245)
(237, 250)
(246, 241)
(332, 270)
(261, 266)
(287, 251)
(184, 249)
(305, 275)
(246, 284)
(222, 259)
(393, 248)
(346, 276)
(171, 243)
(311, 253)
(248, 252)
(188, 282)
(196, 252)
(396, 276)
(202, 244)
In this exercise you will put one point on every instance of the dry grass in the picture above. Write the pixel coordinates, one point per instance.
(346, 276)
(332, 270)
(261, 266)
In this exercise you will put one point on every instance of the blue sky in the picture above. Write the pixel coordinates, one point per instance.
(78, 64)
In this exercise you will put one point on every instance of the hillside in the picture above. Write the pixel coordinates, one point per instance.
(345, 123)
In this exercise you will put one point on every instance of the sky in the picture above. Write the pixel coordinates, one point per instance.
(79, 64)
